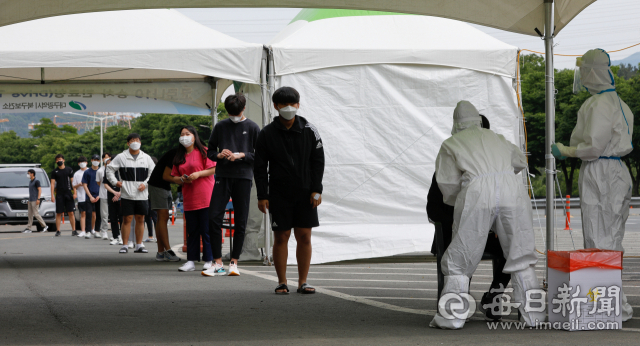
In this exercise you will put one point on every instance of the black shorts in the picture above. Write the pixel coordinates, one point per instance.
(133, 207)
(82, 206)
(291, 210)
(65, 203)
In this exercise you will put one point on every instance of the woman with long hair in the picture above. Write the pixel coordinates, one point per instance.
(194, 171)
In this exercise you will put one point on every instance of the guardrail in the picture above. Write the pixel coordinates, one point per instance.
(541, 203)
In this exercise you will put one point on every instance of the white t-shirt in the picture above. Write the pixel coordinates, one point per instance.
(99, 180)
(77, 179)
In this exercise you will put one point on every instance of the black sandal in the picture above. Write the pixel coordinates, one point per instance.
(306, 289)
(282, 287)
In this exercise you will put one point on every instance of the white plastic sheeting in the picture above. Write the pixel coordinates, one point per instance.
(122, 45)
(521, 16)
(382, 126)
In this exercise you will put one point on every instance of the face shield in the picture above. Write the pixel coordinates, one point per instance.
(577, 81)
(593, 73)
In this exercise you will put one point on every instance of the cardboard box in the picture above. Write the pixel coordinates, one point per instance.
(580, 280)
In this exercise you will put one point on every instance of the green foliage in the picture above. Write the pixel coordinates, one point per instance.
(159, 133)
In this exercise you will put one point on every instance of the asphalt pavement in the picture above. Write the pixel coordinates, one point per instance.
(65, 290)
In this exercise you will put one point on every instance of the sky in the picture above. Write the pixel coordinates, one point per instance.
(607, 24)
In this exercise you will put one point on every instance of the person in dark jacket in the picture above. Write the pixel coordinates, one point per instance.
(288, 170)
(440, 212)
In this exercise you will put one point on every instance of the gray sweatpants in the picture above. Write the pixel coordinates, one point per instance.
(33, 211)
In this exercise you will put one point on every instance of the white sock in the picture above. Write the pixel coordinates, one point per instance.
(124, 247)
(138, 246)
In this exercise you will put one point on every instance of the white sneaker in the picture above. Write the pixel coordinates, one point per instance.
(114, 242)
(120, 240)
(215, 270)
(82, 234)
(233, 270)
(97, 235)
(188, 267)
(45, 229)
(89, 234)
(104, 235)
(207, 265)
(130, 245)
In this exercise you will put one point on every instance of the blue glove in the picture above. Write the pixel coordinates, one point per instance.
(556, 152)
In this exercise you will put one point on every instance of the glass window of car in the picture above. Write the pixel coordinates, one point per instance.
(17, 179)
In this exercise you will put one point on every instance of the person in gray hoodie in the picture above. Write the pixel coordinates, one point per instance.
(134, 167)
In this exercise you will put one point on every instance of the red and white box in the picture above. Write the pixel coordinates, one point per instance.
(585, 289)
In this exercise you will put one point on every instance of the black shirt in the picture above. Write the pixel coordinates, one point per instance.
(440, 212)
(156, 176)
(238, 138)
(33, 190)
(294, 157)
(62, 176)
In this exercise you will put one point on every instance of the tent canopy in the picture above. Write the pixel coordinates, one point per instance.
(521, 16)
(368, 37)
(159, 45)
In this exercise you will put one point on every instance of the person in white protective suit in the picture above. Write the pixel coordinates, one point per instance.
(601, 137)
(476, 172)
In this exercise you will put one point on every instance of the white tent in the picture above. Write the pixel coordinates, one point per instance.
(382, 97)
(121, 61)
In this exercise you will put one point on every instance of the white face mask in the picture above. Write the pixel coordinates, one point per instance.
(95, 163)
(288, 112)
(186, 141)
(135, 145)
(235, 119)
(106, 161)
(82, 164)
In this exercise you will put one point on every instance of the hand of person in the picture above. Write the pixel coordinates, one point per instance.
(142, 187)
(117, 195)
(53, 199)
(119, 184)
(193, 176)
(555, 150)
(233, 157)
(226, 152)
(115, 198)
(75, 195)
(96, 199)
(37, 202)
(316, 199)
(263, 205)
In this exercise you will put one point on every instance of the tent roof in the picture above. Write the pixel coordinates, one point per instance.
(159, 45)
(521, 16)
(332, 39)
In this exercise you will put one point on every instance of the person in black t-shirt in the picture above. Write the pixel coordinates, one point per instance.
(161, 201)
(61, 195)
(231, 146)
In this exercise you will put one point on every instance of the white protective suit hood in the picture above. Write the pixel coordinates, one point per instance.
(595, 72)
(464, 116)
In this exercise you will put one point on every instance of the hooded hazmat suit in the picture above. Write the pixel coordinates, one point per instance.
(476, 172)
(601, 137)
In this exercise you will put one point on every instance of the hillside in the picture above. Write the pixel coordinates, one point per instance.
(19, 122)
(633, 59)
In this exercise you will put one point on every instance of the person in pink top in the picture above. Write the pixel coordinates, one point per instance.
(194, 171)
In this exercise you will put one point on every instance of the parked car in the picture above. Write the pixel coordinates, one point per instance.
(14, 195)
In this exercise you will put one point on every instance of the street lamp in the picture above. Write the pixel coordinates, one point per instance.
(101, 128)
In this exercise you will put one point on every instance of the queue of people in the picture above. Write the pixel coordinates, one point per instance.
(286, 158)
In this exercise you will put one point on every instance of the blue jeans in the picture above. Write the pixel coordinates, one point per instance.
(197, 227)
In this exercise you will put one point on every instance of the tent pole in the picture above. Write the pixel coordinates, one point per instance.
(265, 122)
(101, 139)
(214, 104)
(550, 121)
(272, 78)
